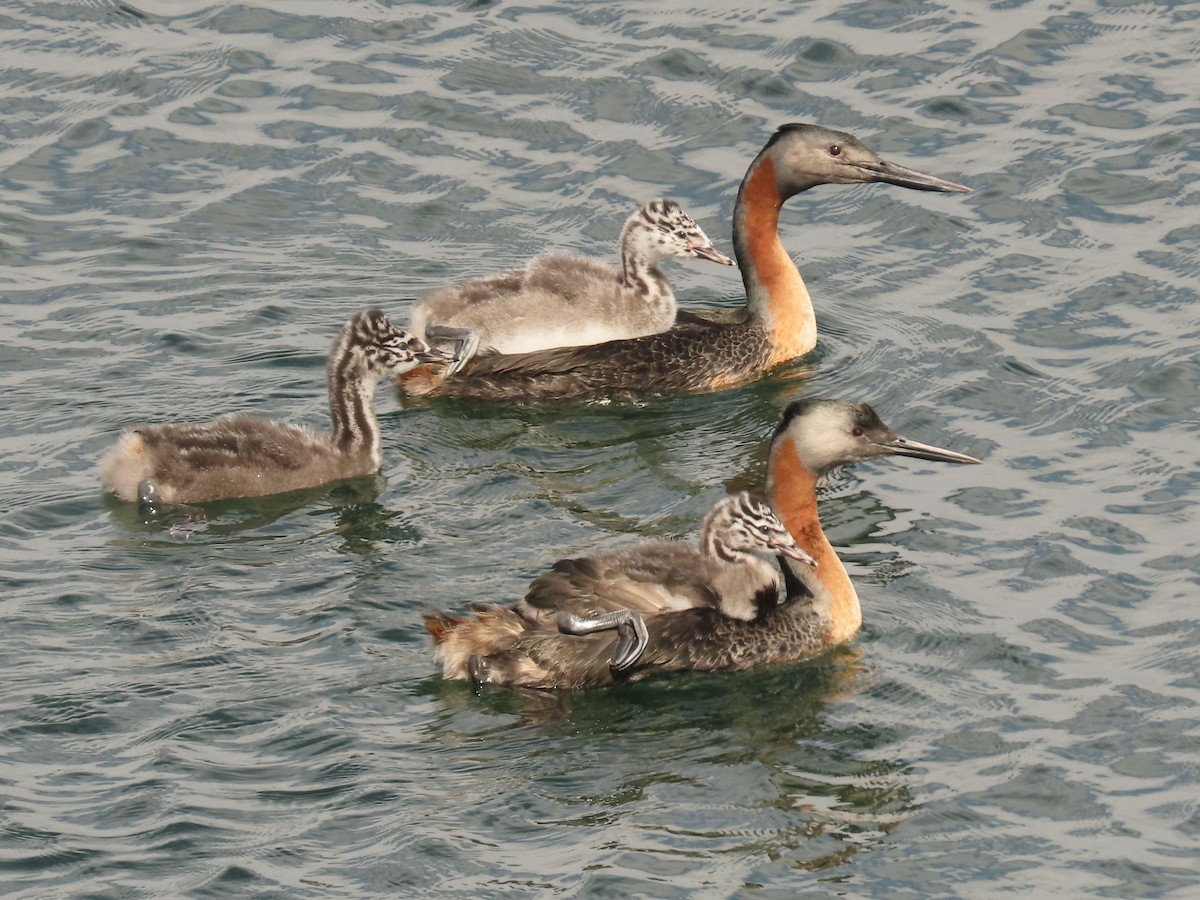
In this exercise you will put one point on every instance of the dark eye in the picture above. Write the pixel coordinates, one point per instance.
(835, 150)
(857, 432)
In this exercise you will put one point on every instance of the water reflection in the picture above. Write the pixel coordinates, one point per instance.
(753, 765)
(358, 518)
(172, 726)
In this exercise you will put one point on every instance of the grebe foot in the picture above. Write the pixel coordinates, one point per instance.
(187, 522)
(632, 636)
(149, 498)
(466, 344)
(478, 669)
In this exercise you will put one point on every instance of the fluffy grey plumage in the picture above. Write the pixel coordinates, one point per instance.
(564, 300)
(725, 574)
(242, 456)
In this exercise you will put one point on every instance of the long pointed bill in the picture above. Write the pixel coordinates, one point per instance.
(904, 447)
(709, 252)
(909, 178)
(791, 550)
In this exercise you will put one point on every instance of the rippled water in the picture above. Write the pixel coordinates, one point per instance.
(196, 197)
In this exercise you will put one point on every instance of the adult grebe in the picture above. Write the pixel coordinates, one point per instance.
(563, 300)
(701, 353)
(241, 456)
(500, 645)
(619, 590)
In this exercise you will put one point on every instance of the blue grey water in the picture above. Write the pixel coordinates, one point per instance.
(197, 195)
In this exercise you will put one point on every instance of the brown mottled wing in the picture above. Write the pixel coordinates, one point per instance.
(706, 640)
(695, 355)
(682, 641)
(725, 316)
(566, 661)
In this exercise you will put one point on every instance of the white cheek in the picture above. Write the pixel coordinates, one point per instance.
(825, 439)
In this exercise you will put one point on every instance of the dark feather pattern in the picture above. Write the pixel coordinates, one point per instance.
(244, 456)
(696, 355)
(657, 581)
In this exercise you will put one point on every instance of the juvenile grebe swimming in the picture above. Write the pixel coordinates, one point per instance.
(703, 352)
(500, 645)
(564, 300)
(621, 590)
(241, 456)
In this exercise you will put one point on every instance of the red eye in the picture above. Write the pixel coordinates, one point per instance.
(835, 150)
(857, 432)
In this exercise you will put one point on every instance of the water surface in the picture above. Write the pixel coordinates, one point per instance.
(197, 196)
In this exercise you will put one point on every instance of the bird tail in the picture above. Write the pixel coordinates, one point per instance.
(440, 625)
(490, 629)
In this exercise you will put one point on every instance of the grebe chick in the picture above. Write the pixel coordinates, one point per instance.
(821, 609)
(563, 300)
(618, 588)
(625, 589)
(242, 456)
(699, 352)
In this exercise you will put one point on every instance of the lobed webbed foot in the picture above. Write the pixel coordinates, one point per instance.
(149, 499)
(466, 344)
(632, 637)
(479, 669)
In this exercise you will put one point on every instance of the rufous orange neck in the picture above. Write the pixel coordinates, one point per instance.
(775, 292)
(792, 490)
